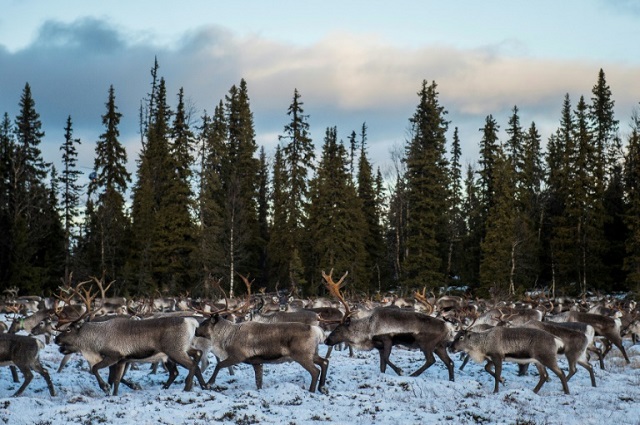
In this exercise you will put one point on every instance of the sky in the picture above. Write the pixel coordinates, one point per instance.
(353, 62)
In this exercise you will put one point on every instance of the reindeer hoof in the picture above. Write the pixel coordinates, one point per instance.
(323, 390)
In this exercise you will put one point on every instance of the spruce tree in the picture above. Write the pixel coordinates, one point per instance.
(455, 226)
(427, 185)
(263, 218)
(179, 233)
(7, 153)
(335, 220)
(106, 239)
(609, 176)
(632, 215)
(240, 182)
(279, 241)
(488, 152)
(560, 163)
(585, 204)
(605, 129)
(70, 192)
(471, 241)
(501, 245)
(298, 159)
(151, 260)
(532, 200)
(213, 153)
(373, 236)
(29, 202)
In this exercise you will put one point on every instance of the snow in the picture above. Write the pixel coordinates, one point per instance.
(357, 394)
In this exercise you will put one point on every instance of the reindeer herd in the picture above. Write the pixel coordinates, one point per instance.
(111, 333)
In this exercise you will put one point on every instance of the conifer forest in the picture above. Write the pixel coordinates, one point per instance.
(556, 212)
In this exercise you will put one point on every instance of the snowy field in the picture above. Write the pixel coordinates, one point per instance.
(357, 394)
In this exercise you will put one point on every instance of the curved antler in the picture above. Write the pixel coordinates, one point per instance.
(334, 289)
(86, 296)
(421, 297)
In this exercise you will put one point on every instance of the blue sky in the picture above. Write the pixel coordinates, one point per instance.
(352, 62)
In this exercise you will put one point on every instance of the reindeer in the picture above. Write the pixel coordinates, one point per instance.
(117, 341)
(259, 343)
(22, 351)
(520, 345)
(386, 327)
(604, 326)
(575, 345)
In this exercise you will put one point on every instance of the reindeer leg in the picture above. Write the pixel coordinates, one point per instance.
(553, 365)
(197, 357)
(173, 373)
(14, 374)
(587, 366)
(258, 371)
(498, 373)
(329, 350)
(441, 351)
(45, 374)
(105, 362)
(543, 377)
(116, 372)
(385, 353)
(324, 366)
(220, 365)
(592, 348)
(523, 369)
(28, 376)
(429, 360)
(618, 343)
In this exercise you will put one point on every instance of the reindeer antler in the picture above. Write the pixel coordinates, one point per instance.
(100, 283)
(86, 296)
(334, 289)
(421, 297)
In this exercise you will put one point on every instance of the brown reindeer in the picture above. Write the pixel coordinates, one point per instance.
(260, 343)
(386, 327)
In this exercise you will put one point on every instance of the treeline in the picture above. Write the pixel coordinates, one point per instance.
(207, 203)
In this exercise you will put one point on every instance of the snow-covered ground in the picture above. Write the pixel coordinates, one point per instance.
(357, 394)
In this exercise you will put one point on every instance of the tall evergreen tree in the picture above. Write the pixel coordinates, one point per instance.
(263, 218)
(501, 244)
(373, 236)
(488, 151)
(150, 262)
(70, 191)
(335, 221)
(609, 176)
(427, 184)
(605, 129)
(179, 231)
(514, 145)
(298, 156)
(632, 216)
(560, 160)
(585, 204)
(213, 154)
(7, 153)
(456, 226)
(29, 200)
(108, 233)
(533, 200)
(278, 248)
(472, 212)
(240, 181)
